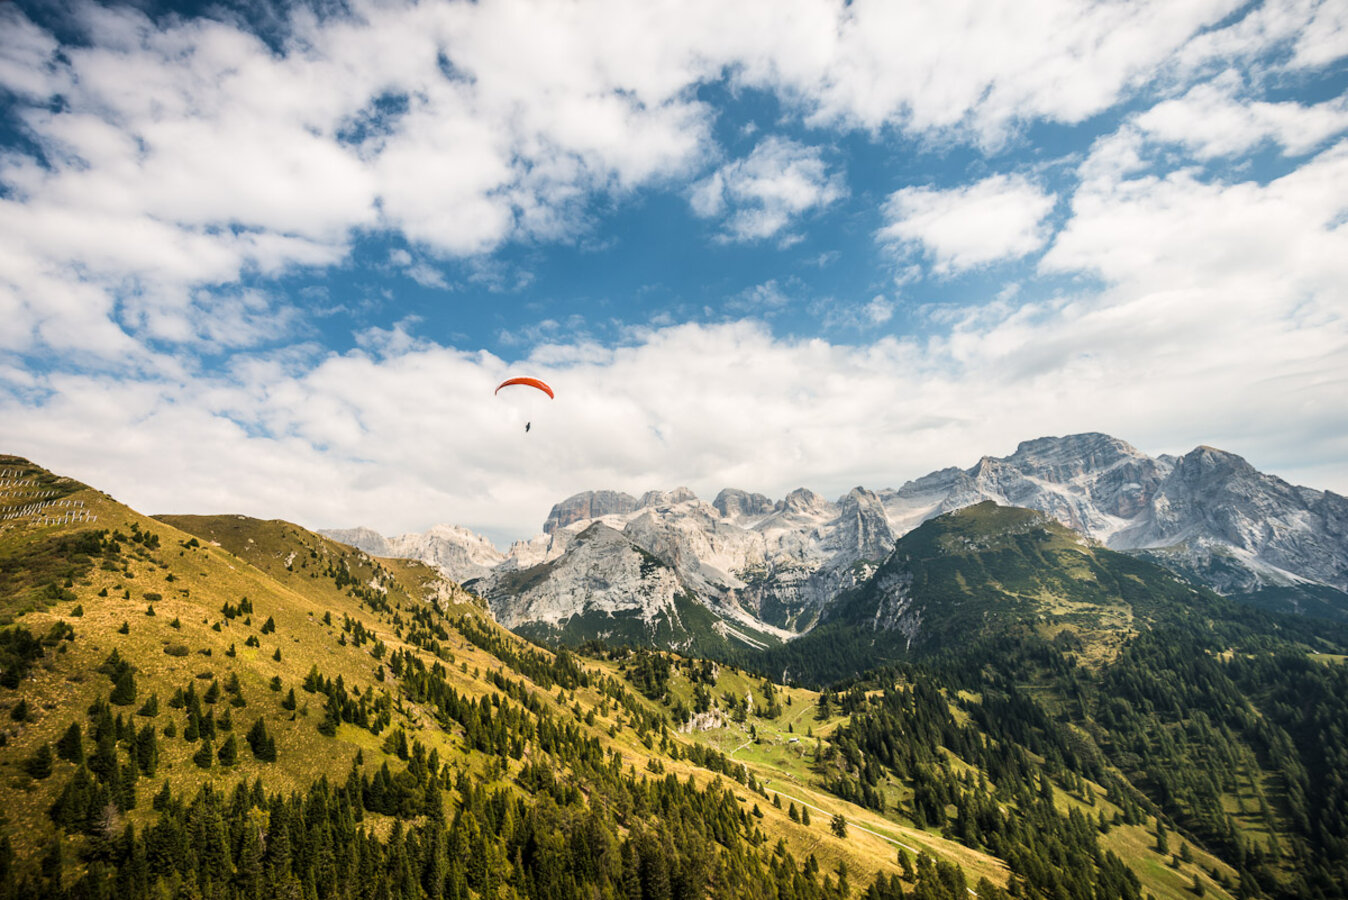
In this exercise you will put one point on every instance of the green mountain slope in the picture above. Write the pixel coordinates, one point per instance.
(1216, 720)
(225, 707)
(981, 571)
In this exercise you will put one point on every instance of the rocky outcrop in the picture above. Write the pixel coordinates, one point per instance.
(860, 530)
(602, 572)
(362, 538)
(737, 505)
(589, 505)
(1209, 513)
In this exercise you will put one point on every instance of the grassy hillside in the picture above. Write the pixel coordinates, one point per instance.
(393, 705)
(803, 747)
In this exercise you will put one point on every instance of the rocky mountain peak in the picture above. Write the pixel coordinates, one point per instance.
(1063, 459)
(362, 538)
(461, 555)
(806, 501)
(862, 529)
(733, 503)
(589, 505)
(1208, 463)
(765, 565)
(666, 498)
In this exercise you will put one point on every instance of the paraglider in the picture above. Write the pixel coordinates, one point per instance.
(526, 382)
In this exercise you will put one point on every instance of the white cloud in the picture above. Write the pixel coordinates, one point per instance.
(190, 154)
(1221, 321)
(761, 300)
(413, 435)
(982, 69)
(1245, 247)
(767, 192)
(880, 310)
(1001, 217)
(1210, 121)
(420, 271)
(186, 152)
(1325, 37)
(1276, 36)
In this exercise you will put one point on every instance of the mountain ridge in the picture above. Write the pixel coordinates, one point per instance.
(1208, 515)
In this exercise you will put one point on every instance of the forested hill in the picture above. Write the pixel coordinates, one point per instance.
(1226, 720)
(225, 707)
(990, 571)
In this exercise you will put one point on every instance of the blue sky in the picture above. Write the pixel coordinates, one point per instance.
(275, 261)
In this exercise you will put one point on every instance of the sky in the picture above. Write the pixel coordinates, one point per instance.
(273, 259)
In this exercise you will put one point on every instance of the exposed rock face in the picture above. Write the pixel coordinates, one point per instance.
(735, 504)
(766, 566)
(1214, 502)
(362, 538)
(1092, 483)
(666, 498)
(589, 505)
(459, 553)
(602, 572)
(861, 529)
(1209, 512)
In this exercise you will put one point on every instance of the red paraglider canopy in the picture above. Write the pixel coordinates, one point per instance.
(528, 382)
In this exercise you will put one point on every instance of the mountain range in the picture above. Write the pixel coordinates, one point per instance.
(747, 570)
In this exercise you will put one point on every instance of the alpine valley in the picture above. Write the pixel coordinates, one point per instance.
(1075, 672)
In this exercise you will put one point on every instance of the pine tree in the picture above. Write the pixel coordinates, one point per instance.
(262, 744)
(124, 691)
(39, 764)
(229, 751)
(205, 755)
(147, 751)
(71, 745)
(103, 762)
